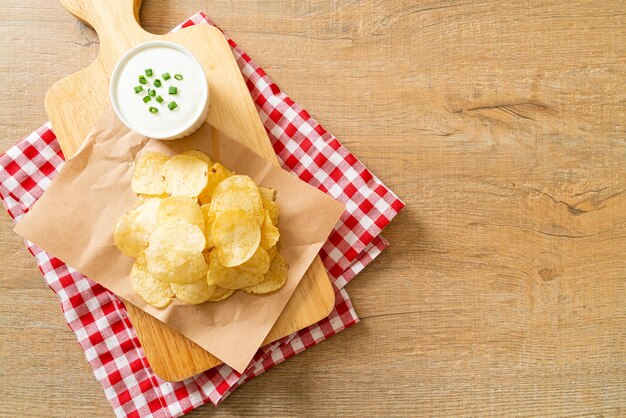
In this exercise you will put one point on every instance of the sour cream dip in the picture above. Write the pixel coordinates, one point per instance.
(159, 89)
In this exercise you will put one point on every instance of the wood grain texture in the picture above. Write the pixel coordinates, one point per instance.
(503, 127)
(74, 104)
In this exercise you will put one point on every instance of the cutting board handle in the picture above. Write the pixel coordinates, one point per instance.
(107, 17)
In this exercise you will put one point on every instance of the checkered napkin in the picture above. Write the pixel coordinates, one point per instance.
(99, 318)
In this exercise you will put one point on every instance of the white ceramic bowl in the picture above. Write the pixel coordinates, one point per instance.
(192, 97)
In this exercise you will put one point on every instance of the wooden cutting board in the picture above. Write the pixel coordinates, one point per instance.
(75, 103)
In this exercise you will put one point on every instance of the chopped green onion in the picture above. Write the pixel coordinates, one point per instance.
(153, 110)
(149, 72)
(147, 99)
(138, 89)
(142, 79)
(166, 76)
(178, 77)
(172, 90)
(157, 83)
(172, 105)
(151, 92)
(159, 99)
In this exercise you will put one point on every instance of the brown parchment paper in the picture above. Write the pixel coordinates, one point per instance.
(74, 221)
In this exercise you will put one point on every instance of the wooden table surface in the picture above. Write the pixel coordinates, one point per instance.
(502, 126)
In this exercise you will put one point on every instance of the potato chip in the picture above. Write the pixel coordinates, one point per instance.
(148, 174)
(247, 274)
(205, 211)
(174, 253)
(217, 173)
(181, 208)
(133, 228)
(269, 233)
(269, 203)
(199, 231)
(179, 236)
(209, 218)
(236, 236)
(272, 209)
(143, 198)
(267, 193)
(176, 266)
(220, 294)
(193, 293)
(272, 252)
(238, 192)
(185, 176)
(147, 213)
(153, 291)
(199, 155)
(129, 238)
(275, 277)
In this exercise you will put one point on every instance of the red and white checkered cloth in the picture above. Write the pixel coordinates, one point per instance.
(99, 318)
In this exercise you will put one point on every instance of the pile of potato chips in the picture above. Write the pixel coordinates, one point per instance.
(199, 232)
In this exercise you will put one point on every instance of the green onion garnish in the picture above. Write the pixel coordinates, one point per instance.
(149, 72)
(178, 77)
(166, 76)
(159, 99)
(147, 99)
(151, 92)
(138, 89)
(153, 110)
(157, 83)
(172, 105)
(142, 79)
(172, 90)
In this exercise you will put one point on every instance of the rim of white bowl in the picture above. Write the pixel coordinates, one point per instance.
(132, 52)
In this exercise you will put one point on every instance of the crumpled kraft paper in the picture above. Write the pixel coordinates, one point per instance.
(75, 218)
